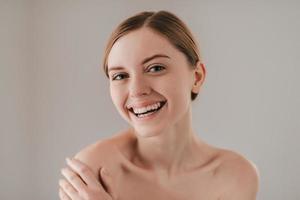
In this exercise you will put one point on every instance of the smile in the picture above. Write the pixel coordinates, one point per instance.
(147, 110)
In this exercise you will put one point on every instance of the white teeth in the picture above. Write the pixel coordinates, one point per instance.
(144, 115)
(146, 108)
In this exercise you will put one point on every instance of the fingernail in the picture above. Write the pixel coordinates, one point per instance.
(68, 160)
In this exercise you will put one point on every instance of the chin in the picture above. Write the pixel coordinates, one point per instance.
(147, 132)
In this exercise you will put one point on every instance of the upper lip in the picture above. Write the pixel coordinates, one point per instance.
(142, 104)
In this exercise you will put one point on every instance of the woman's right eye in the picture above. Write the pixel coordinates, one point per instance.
(119, 76)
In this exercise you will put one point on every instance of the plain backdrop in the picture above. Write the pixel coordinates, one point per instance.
(55, 98)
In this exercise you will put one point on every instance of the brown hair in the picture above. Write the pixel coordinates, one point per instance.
(164, 23)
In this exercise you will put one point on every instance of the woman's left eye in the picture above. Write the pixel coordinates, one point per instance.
(156, 68)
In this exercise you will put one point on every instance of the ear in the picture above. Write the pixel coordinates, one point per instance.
(199, 74)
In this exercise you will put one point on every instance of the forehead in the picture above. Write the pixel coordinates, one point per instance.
(133, 47)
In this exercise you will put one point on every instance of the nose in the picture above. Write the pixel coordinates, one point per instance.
(139, 87)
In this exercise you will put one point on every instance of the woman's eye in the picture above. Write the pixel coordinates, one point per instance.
(156, 68)
(118, 76)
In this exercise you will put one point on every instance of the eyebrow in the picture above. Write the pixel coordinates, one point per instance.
(143, 62)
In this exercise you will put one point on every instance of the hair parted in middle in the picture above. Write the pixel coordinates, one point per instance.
(164, 23)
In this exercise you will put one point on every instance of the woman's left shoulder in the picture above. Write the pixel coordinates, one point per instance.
(234, 160)
(241, 174)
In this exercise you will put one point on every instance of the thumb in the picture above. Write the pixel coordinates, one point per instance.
(107, 181)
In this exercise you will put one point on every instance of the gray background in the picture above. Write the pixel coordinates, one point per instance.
(55, 98)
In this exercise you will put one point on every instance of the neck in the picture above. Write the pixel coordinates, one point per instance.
(170, 151)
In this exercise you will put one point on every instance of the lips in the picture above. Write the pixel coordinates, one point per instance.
(153, 110)
(142, 104)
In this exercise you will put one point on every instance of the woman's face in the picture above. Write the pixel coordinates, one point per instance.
(139, 84)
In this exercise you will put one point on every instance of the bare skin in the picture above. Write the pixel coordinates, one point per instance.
(217, 174)
(159, 157)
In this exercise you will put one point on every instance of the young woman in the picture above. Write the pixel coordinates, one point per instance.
(155, 72)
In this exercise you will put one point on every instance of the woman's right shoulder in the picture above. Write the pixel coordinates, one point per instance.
(104, 152)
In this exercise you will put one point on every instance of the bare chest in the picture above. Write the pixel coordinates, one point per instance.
(192, 186)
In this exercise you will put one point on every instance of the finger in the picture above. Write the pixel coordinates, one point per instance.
(63, 195)
(106, 179)
(84, 172)
(74, 179)
(68, 189)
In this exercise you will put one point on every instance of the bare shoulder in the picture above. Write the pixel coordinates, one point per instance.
(94, 155)
(102, 153)
(240, 176)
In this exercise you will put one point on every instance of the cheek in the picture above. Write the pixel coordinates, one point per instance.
(180, 91)
(116, 96)
(177, 85)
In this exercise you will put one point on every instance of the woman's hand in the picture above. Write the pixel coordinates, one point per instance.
(82, 184)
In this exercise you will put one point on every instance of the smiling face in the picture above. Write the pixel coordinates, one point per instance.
(148, 74)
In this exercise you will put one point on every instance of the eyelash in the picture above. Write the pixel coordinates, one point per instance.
(123, 74)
